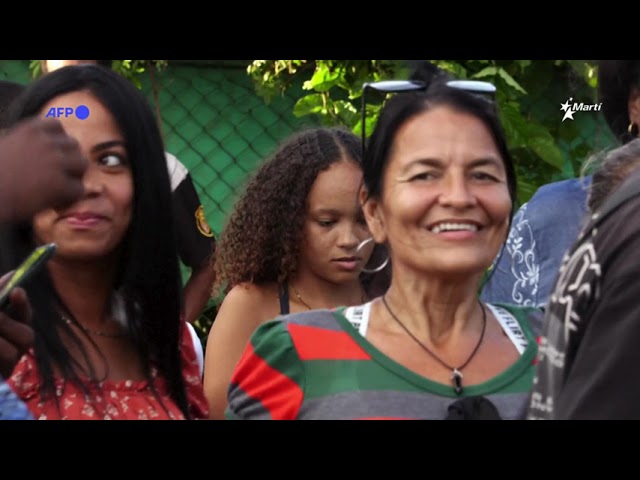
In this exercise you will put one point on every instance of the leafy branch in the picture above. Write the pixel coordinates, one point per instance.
(528, 97)
(130, 69)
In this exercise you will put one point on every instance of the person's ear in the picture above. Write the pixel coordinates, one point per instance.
(634, 109)
(373, 215)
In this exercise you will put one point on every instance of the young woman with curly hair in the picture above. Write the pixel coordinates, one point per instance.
(294, 242)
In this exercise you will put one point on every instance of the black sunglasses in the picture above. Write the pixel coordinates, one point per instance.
(398, 86)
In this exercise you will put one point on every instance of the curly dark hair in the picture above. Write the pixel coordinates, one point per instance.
(261, 240)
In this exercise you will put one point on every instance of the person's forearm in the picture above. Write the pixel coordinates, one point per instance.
(197, 292)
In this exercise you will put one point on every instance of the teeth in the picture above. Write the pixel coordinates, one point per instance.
(443, 227)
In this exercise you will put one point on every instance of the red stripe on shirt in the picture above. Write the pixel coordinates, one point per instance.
(315, 343)
(387, 418)
(277, 393)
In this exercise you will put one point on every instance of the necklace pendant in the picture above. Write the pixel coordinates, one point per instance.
(456, 376)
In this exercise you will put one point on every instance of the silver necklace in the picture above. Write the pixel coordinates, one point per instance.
(456, 372)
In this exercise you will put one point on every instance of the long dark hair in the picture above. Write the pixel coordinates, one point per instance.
(148, 274)
(616, 78)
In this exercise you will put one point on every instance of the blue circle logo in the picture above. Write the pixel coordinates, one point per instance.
(82, 112)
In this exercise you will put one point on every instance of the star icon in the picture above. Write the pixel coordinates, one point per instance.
(566, 108)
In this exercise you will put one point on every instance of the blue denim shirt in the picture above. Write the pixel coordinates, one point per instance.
(542, 230)
(11, 407)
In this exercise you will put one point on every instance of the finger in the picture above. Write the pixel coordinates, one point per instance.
(67, 147)
(75, 164)
(9, 356)
(5, 278)
(20, 305)
(68, 191)
(50, 124)
(19, 334)
(64, 148)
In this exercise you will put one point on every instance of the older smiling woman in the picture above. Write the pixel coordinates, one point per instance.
(439, 188)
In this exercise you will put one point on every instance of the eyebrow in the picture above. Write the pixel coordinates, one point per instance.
(329, 211)
(433, 162)
(109, 144)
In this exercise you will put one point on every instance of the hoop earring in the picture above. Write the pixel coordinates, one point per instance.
(371, 270)
(631, 128)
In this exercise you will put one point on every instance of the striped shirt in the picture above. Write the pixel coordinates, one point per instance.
(316, 365)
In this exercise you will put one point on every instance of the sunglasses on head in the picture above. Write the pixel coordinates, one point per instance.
(477, 87)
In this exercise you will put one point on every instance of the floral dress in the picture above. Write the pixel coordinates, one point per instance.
(112, 400)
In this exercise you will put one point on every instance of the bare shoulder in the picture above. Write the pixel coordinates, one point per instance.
(251, 295)
(259, 302)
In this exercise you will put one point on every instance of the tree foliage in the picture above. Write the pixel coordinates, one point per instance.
(529, 94)
(130, 69)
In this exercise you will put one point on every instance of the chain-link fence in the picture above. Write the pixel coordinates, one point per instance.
(15, 71)
(213, 121)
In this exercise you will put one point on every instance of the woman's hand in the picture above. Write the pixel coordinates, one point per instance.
(16, 334)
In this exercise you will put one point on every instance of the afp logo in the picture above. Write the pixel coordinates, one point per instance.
(81, 112)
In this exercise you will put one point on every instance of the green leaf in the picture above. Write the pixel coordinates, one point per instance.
(522, 132)
(587, 70)
(526, 189)
(450, 66)
(35, 66)
(544, 145)
(342, 106)
(510, 80)
(486, 72)
(309, 104)
(323, 79)
(513, 124)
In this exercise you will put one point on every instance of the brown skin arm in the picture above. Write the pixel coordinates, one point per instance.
(244, 308)
(197, 291)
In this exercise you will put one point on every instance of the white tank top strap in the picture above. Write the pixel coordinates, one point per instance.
(511, 327)
(358, 316)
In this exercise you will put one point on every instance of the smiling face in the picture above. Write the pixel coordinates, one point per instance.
(335, 225)
(445, 203)
(96, 224)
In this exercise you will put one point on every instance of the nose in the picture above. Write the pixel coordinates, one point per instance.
(348, 237)
(457, 192)
(92, 180)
